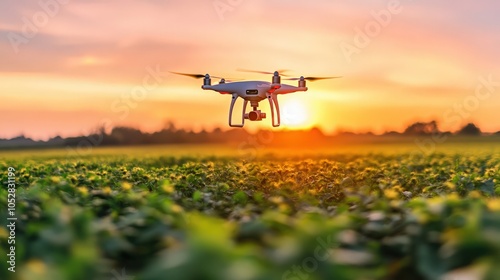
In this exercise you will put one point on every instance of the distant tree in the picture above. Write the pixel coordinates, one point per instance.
(169, 125)
(317, 132)
(391, 133)
(127, 135)
(422, 128)
(217, 130)
(470, 129)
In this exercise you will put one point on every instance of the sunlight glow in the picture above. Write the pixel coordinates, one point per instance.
(295, 114)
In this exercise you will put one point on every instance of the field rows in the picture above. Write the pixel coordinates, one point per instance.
(339, 217)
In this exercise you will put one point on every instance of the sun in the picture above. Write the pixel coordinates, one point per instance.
(295, 114)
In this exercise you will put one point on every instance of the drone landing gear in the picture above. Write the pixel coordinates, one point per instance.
(255, 114)
(233, 101)
(273, 103)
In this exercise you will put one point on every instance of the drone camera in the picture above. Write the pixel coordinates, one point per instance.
(255, 115)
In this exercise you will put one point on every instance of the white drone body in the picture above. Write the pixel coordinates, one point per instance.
(254, 92)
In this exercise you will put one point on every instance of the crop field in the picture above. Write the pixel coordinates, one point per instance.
(163, 214)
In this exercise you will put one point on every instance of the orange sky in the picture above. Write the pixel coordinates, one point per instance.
(68, 66)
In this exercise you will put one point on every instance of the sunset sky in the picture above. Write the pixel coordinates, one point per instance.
(68, 66)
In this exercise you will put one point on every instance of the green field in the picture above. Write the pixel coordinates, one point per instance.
(189, 212)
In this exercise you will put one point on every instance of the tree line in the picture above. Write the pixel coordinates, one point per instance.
(172, 135)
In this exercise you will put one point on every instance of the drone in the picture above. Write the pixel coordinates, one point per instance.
(253, 92)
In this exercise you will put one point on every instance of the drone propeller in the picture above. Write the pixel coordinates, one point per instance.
(196, 76)
(263, 72)
(201, 76)
(313, 79)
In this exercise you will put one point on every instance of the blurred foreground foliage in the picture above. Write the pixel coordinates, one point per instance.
(340, 217)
